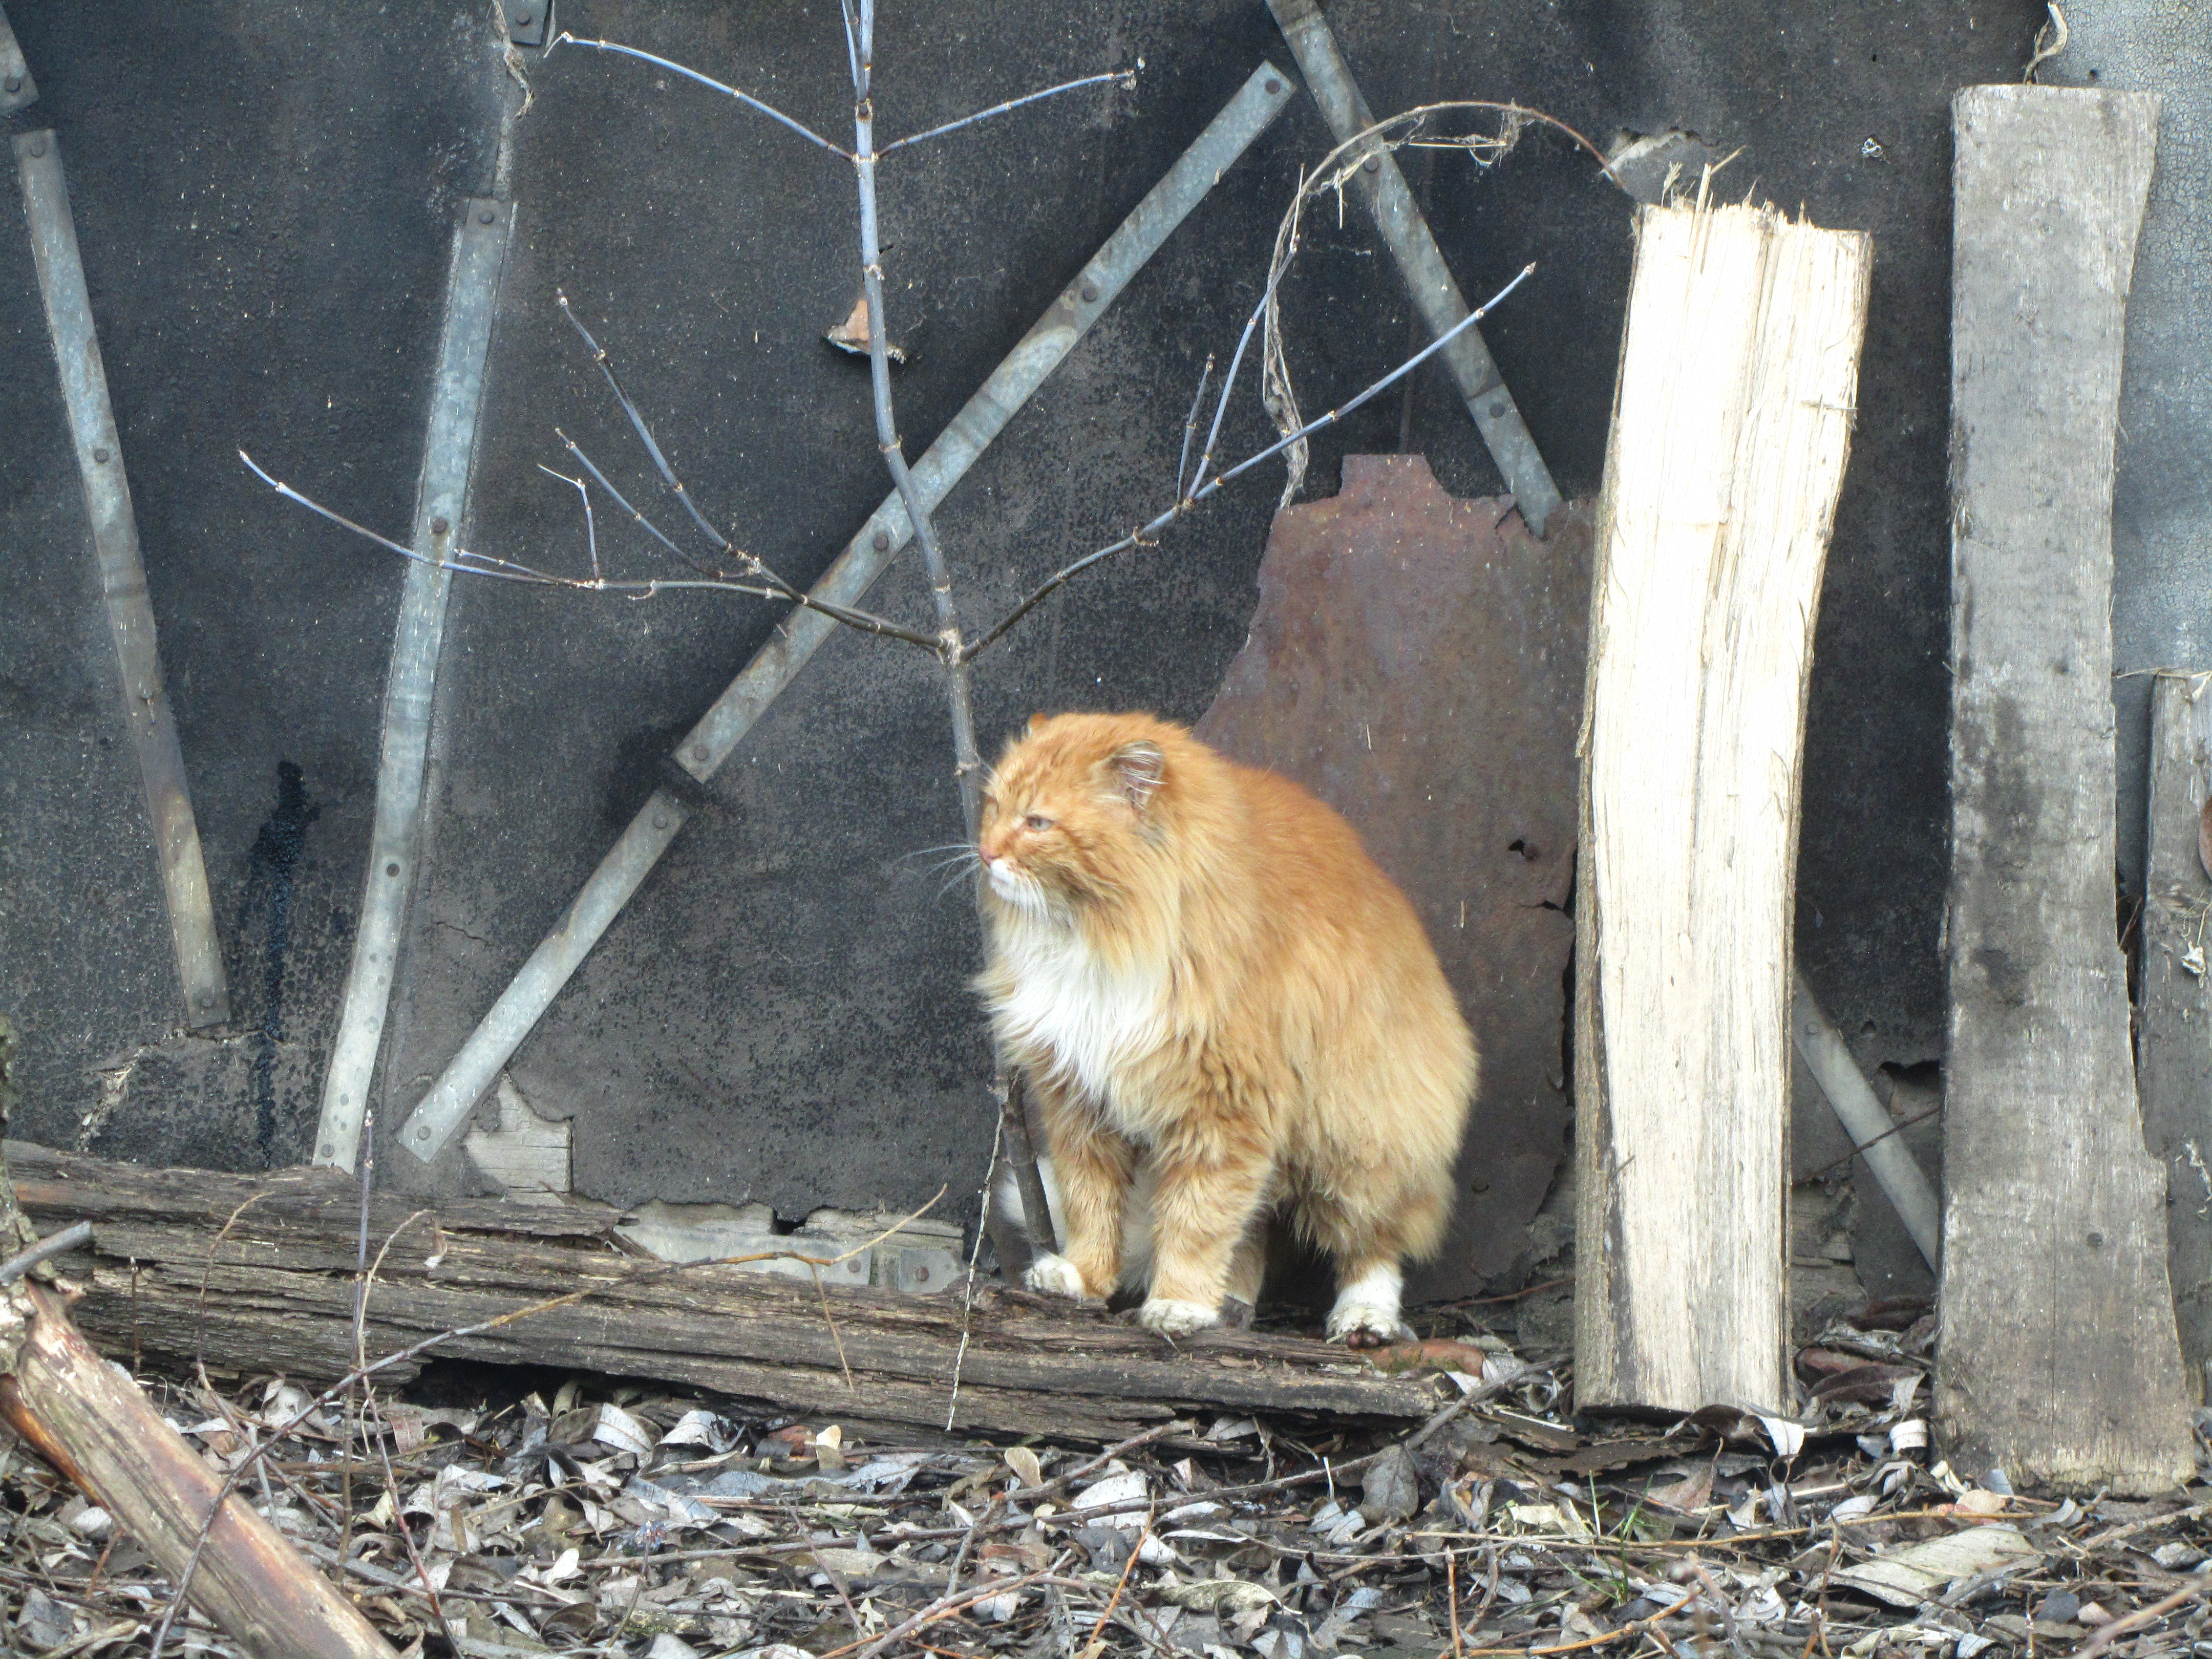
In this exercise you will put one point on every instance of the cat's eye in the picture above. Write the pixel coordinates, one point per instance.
(1037, 821)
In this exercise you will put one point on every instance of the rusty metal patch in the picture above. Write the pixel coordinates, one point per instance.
(1415, 662)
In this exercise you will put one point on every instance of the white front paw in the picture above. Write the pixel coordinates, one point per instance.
(1172, 1318)
(1054, 1275)
(1363, 1324)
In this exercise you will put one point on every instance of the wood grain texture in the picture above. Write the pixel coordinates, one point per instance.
(1731, 427)
(2057, 1356)
(274, 1291)
(2173, 1035)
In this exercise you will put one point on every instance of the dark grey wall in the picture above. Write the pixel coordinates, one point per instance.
(266, 195)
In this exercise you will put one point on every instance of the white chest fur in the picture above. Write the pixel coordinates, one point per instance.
(1093, 1018)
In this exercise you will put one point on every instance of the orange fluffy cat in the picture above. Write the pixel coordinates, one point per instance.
(1226, 1013)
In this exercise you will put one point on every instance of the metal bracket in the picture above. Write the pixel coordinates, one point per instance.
(526, 22)
(472, 297)
(473, 1071)
(17, 89)
(123, 578)
(1436, 294)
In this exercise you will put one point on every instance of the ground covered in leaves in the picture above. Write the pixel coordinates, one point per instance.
(587, 1517)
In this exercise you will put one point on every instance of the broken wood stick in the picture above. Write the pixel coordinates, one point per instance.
(1731, 425)
(2056, 1359)
(94, 1425)
(275, 1292)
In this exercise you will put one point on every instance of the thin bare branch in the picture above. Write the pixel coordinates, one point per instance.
(1190, 427)
(745, 98)
(1148, 533)
(1126, 79)
(591, 531)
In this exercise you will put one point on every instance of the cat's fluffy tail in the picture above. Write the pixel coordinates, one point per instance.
(1006, 1207)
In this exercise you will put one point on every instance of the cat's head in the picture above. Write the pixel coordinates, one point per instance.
(1078, 811)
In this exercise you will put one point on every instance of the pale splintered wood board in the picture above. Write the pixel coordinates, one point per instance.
(1732, 423)
(2058, 1358)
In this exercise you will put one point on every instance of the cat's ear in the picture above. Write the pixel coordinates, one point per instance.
(1138, 768)
(1036, 720)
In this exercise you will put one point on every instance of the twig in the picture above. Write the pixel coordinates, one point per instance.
(1190, 426)
(2105, 1636)
(968, 1294)
(1147, 534)
(844, 1364)
(1126, 79)
(45, 1250)
(745, 98)
(945, 1605)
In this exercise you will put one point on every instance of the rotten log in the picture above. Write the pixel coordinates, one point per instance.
(96, 1427)
(254, 1274)
(1731, 424)
(2057, 1360)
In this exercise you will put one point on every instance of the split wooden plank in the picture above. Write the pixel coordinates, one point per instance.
(2058, 1359)
(275, 1291)
(2173, 1042)
(1731, 425)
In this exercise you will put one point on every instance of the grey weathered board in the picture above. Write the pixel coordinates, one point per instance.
(2058, 1358)
(255, 1274)
(1415, 662)
(2173, 1041)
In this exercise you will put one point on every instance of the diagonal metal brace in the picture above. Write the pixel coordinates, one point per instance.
(1381, 188)
(16, 87)
(469, 1073)
(472, 297)
(146, 713)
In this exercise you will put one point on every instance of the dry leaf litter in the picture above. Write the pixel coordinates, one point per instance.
(604, 1518)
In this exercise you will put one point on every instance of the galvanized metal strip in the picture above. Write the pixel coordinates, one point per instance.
(123, 578)
(1382, 187)
(473, 1071)
(471, 297)
(16, 87)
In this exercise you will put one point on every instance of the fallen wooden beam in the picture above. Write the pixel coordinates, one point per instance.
(2057, 1361)
(255, 1274)
(2174, 1026)
(1731, 424)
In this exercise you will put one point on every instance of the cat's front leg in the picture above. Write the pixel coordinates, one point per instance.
(1206, 1203)
(1092, 1164)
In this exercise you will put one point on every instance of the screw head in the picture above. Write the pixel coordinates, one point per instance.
(207, 999)
(698, 751)
(1372, 164)
(100, 455)
(329, 1151)
(439, 527)
(1498, 409)
(485, 215)
(524, 18)
(423, 1133)
(38, 145)
(391, 869)
(14, 83)
(661, 820)
(880, 541)
(1273, 86)
(1090, 292)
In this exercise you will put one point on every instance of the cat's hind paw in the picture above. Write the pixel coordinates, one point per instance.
(1055, 1275)
(1172, 1318)
(1362, 1327)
